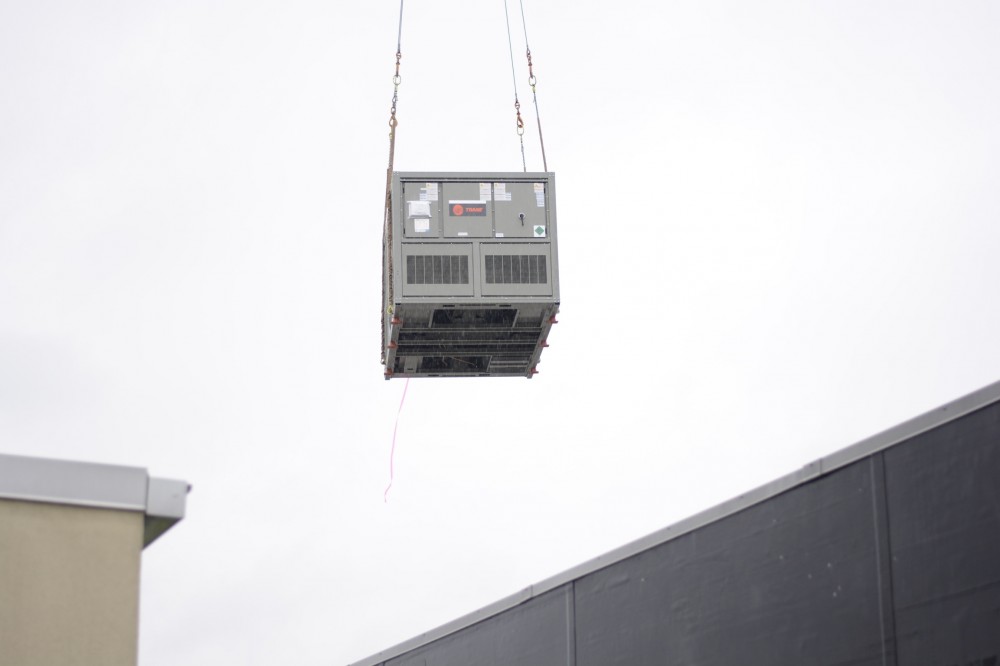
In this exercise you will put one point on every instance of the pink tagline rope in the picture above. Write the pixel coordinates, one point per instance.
(392, 453)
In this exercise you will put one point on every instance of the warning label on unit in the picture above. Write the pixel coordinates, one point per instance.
(500, 192)
(467, 208)
(540, 194)
(429, 192)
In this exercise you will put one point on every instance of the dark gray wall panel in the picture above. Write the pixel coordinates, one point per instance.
(885, 554)
(535, 633)
(793, 580)
(944, 529)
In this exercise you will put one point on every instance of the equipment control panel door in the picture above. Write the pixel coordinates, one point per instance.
(467, 210)
(521, 210)
(421, 210)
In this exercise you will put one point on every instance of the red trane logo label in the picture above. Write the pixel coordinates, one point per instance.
(464, 210)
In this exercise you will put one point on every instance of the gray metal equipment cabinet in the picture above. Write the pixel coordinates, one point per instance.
(470, 279)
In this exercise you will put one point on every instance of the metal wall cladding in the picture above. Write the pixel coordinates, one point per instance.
(891, 560)
(789, 581)
(944, 527)
(534, 633)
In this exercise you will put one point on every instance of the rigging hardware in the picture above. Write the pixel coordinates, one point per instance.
(468, 287)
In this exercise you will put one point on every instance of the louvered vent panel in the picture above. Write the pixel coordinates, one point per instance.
(437, 269)
(515, 269)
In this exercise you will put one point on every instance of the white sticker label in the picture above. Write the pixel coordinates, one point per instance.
(484, 191)
(499, 234)
(429, 192)
(419, 208)
(422, 225)
(500, 192)
(539, 231)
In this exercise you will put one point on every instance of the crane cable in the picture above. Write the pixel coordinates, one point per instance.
(532, 80)
(387, 232)
(517, 103)
(387, 223)
(396, 80)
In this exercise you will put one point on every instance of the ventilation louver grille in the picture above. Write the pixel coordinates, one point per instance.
(437, 269)
(515, 269)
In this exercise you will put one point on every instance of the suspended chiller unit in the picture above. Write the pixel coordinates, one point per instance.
(470, 274)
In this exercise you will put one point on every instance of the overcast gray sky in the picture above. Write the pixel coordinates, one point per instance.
(778, 227)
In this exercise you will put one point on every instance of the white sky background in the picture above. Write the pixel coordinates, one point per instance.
(778, 228)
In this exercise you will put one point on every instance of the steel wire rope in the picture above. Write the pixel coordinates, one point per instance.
(517, 103)
(387, 237)
(531, 82)
(387, 220)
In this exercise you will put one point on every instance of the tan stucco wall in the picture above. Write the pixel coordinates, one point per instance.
(69, 585)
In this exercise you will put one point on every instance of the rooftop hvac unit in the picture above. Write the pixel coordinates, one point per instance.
(470, 274)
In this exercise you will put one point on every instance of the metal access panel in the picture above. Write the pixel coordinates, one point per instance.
(439, 269)
(521, 209)
(470, 273)
(468, 209)
(510, 269)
